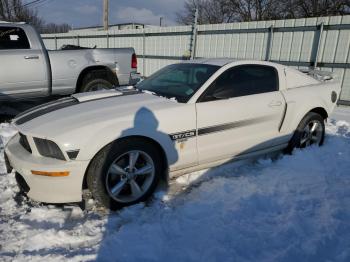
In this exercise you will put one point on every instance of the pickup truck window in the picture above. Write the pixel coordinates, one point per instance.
(179, 81)
(13, 38)
(242, 81)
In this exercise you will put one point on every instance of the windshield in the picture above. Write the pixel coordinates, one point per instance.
(179, 81)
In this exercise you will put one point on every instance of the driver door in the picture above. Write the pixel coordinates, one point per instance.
(239, 113)
(22, 67)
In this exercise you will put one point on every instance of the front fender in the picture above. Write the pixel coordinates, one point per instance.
(97, 137)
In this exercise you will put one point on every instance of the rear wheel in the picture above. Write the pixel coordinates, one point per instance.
(124, 173)
(310, 131)
(96, 85)
(98, 80)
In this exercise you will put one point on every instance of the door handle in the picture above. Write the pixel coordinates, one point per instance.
(28, 57)
(275, 103)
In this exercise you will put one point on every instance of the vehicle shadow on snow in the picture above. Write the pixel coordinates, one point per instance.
(173, 230)
(250, 228)
(168, 196)
(146, 121)
(121, 240)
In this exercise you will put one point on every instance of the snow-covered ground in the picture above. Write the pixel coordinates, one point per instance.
(294, 208)
(342, 113)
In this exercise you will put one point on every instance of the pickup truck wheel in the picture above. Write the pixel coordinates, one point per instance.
(310, 131)
(96, 85)
(124, 173)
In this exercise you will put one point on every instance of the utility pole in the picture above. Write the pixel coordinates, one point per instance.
(105, 14)
(193, 40)
(160, 21)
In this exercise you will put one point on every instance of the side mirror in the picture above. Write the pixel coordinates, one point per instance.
(218, 95)
(221, 94)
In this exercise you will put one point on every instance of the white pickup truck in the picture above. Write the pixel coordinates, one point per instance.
(28, 70)
(185, 117)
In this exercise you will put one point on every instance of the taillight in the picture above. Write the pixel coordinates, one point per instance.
(134, 61)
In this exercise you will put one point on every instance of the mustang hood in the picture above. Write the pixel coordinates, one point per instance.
(84, 110)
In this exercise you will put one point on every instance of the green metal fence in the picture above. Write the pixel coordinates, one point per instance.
(322, 42)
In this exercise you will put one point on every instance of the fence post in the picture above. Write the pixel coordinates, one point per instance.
(78, 40)
(107, 38)
(269, 44)
(56, 42)
(144, 52)
(193, 41)
(320, 32)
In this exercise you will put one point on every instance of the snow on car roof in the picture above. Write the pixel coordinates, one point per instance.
(225, 61)
(212, 61)
(6, 22)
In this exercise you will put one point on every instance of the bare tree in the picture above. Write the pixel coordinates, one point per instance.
(15, 11)
(55, 28)
(312, 8)
(255, 10)
(223, 11)
(210, 12)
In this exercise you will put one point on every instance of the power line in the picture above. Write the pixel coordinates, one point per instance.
(41, 3)
(35, 2)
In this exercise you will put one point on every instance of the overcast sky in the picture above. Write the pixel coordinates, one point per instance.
(81, 13)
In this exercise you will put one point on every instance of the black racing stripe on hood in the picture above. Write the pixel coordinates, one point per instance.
(59, 104)
(46, 110)
(43, 105)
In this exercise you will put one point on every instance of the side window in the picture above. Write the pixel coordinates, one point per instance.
(13, 38)
(243, 81)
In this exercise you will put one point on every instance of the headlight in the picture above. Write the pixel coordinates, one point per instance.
(48, 148)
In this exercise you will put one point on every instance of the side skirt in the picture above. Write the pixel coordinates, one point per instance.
(179, 172)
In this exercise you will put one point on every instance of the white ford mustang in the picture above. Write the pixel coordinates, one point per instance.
(185, 117)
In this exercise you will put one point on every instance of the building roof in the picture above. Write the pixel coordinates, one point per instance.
(100, 26)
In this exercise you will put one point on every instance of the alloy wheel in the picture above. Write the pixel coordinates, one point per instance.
(312, 134)
(130, 176)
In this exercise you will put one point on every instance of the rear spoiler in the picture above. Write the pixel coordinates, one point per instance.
(320, 75)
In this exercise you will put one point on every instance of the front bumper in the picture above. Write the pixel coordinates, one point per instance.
(43, 188)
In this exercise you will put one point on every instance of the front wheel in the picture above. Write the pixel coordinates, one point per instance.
(124, 173)
(310, 131)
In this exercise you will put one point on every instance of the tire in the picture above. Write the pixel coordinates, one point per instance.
(310, 131)
(98, 80)
(96, 85)
(110, 180)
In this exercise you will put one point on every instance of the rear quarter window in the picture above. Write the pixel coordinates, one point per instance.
(13, 38)
(296, 78)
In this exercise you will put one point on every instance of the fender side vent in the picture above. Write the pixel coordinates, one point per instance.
(72, 154)
(24, 142)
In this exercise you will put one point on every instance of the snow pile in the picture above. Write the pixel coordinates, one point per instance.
(294, 208)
